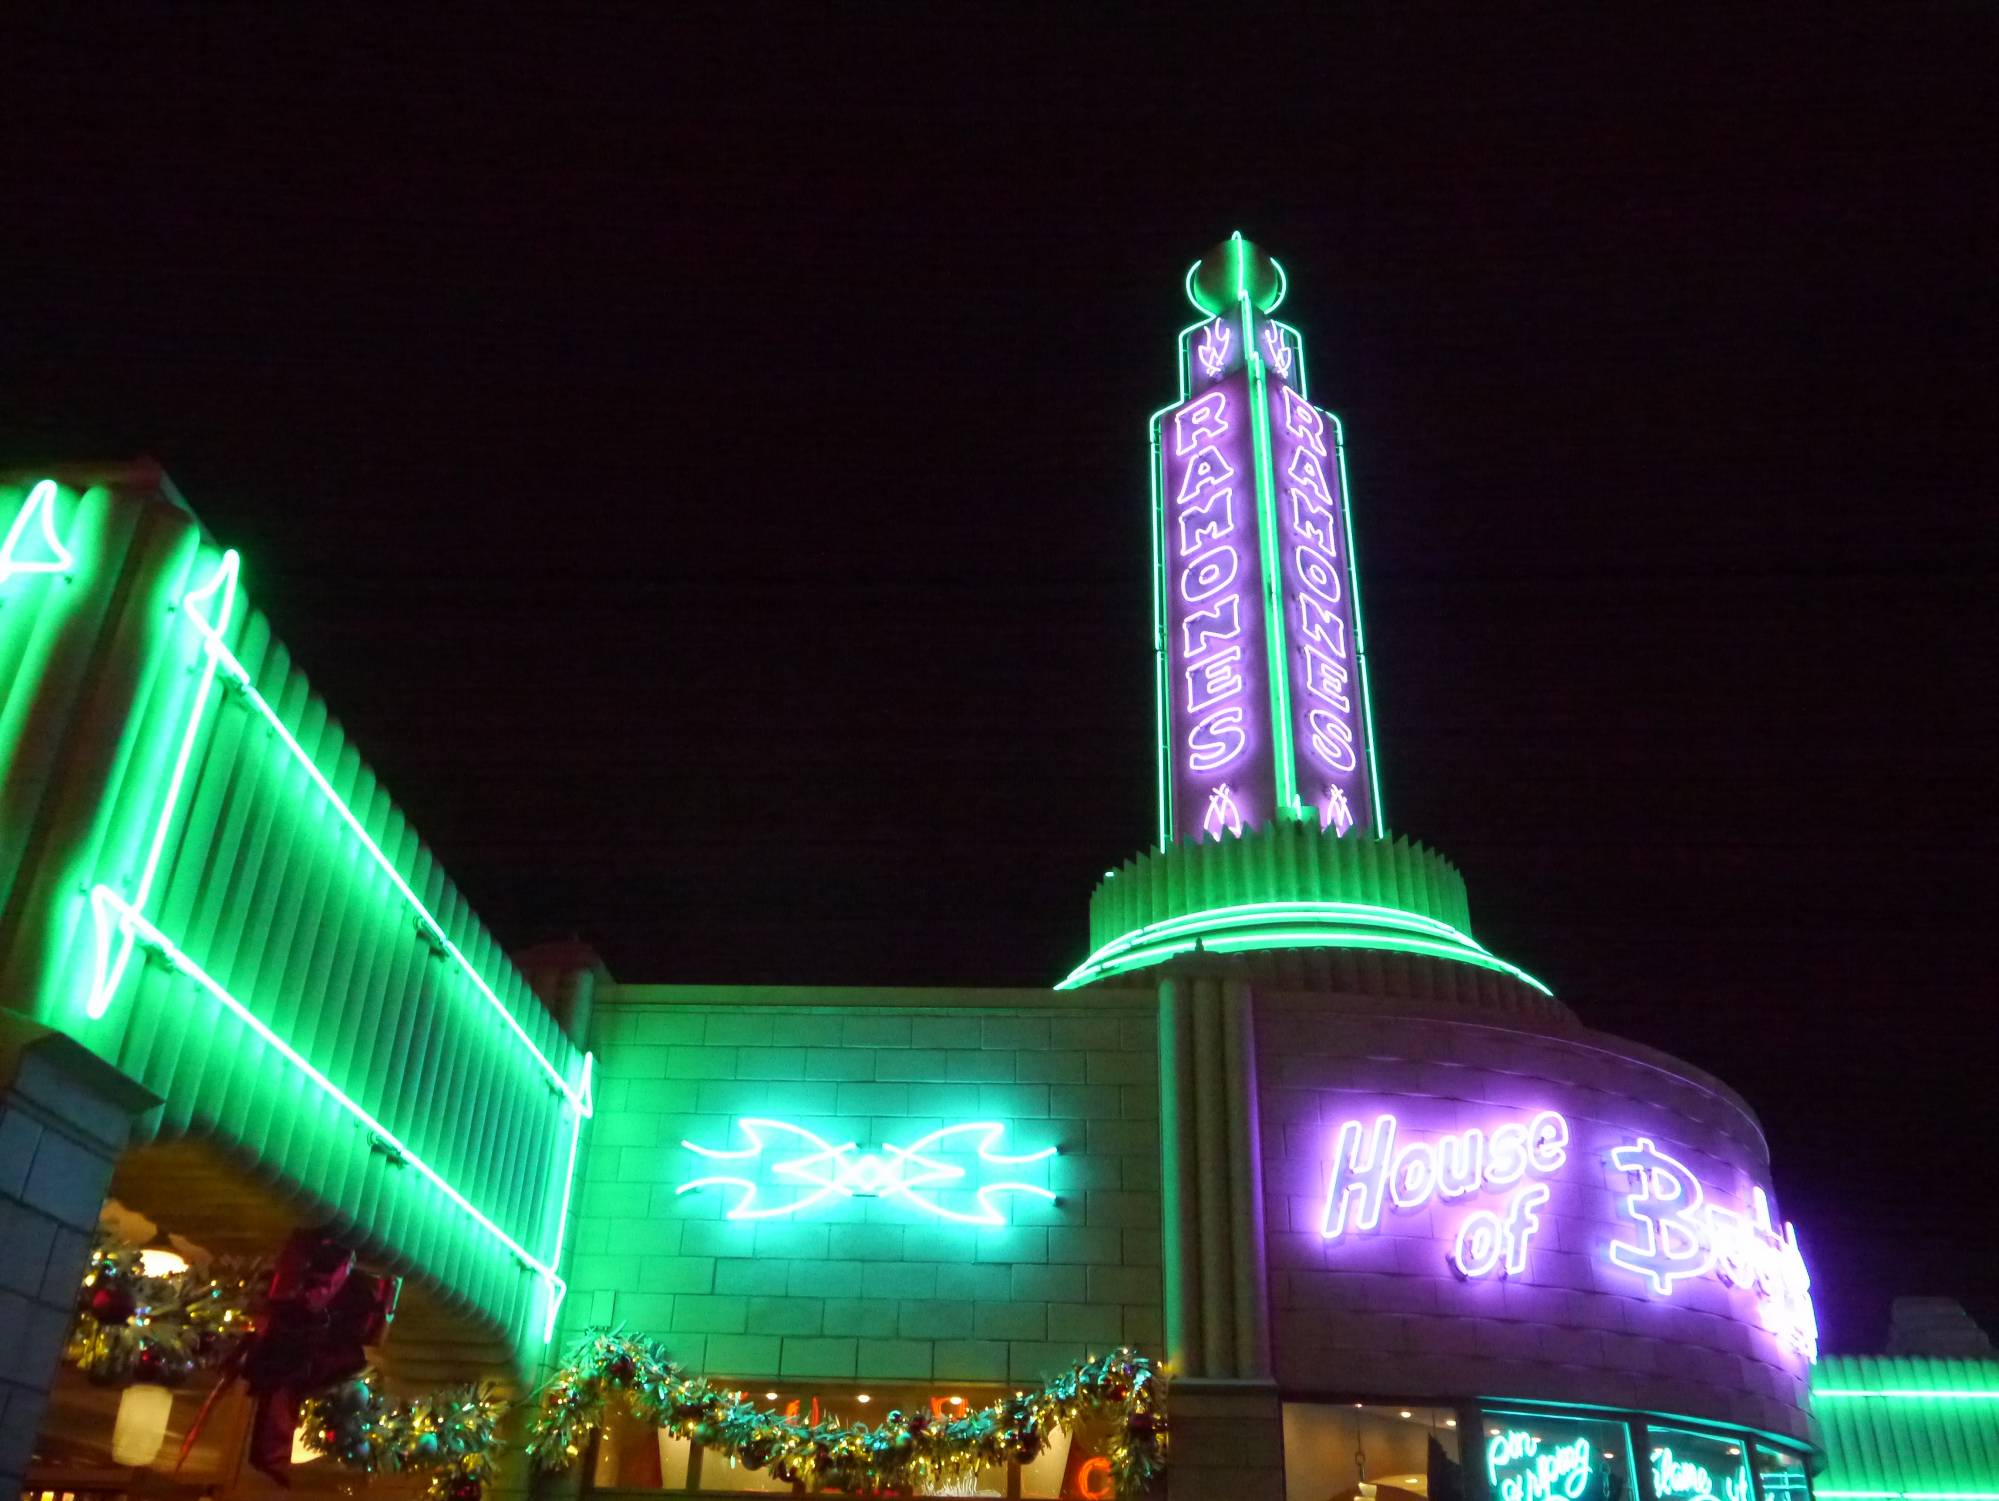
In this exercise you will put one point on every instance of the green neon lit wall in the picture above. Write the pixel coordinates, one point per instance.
(1907, 1426)
(306, 989)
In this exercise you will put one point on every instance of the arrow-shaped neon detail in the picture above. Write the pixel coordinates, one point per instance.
(37, 511)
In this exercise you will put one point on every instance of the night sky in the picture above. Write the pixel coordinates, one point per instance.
(703, 464)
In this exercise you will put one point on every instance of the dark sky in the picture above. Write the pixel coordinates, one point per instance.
(703, 464)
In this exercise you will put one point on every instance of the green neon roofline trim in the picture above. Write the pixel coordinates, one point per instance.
(1818, 1490)
(1909, 1394)
(1391, 929)
(129, 920)
(222, 658)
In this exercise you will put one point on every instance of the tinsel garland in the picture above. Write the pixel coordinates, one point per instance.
(449, 1436)
(132, 1327)
(909, 1453)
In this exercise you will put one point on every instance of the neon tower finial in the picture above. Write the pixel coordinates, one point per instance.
(1262, 672)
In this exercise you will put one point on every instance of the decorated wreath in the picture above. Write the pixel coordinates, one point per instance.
(163, 1330)
(906, 1452)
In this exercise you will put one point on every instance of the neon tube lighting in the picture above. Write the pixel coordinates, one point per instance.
(129, 920)
(1904, 1393)
(121, 924)
(222, 658)
(1244, 913)
(39, 509)
(843, 1171)
(1907, 1495)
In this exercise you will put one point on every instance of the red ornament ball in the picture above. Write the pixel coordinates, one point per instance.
(465, 1488)
(110, 1304)
(622, 1368)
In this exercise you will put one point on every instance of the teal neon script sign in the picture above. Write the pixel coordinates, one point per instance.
(793, 1158)
(1521, 1468)
(1677, 1479)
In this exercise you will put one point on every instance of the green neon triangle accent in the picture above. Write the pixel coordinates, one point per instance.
(32, 545)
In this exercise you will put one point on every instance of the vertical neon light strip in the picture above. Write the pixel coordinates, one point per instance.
(1359, 623)
(1161, 670)
(1285, 746)
(210, 609)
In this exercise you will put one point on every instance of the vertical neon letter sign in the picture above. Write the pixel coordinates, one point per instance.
(1262, 677)
(1217, 685)
(1315, 558)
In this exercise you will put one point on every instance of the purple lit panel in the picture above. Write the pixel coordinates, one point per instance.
(1217, 679)
(1328, 718)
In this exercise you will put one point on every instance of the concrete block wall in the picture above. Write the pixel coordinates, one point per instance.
(1383, 1313)
(871, 1289)
(64, 1118)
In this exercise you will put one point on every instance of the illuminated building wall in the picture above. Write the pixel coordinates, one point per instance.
(716, 1212)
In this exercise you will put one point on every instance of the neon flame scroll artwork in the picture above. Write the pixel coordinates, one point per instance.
(801, 1170)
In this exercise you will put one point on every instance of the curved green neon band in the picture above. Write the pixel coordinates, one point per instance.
(1398, 930)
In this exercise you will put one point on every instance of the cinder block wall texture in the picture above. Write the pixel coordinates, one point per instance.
(867, 1288)
(1382, 1312)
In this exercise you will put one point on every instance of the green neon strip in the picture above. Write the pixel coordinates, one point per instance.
(240, 677)
(1908, 1495)
(210, 609)
(1161, 676)
(1360, 633)
(1907, 1394)
(129, 920)
(1383, 928)
(1283, 290)
(1277, 662)
(1297, 342)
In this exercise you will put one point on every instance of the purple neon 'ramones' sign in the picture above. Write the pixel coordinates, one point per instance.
(1217, 679)
(1321, 646)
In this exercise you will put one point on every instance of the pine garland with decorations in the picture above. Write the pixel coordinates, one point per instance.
(450, 1436)
(133, 1327)
(905, 1453)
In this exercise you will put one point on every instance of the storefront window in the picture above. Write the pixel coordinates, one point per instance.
(1533, 1457)
(1363, 1452)
(1782, 1474)
(632, 1456)
(1697, 1467)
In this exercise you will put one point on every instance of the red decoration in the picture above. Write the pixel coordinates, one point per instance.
(111, 1305)
(318, 1314)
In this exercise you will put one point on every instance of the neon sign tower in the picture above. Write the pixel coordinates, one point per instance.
(1271, 830)
(1263, 703)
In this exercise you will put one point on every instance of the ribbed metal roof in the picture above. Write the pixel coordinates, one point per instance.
(1910, 1426)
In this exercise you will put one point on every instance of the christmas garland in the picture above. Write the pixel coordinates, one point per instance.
(134, 1327)
(448, 1436)
(906, 1452)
